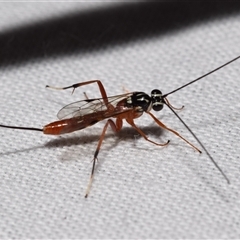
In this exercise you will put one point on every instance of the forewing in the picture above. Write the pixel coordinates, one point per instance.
(89, 106)
(80, 108)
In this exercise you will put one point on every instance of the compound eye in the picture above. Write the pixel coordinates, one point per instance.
(157, 106)
(156, 93)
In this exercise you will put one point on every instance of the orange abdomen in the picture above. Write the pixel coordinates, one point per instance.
(63, 126)
(56, 128)
(67, 125)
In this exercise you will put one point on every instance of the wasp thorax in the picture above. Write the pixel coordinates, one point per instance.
(141, 99)
(157, 102)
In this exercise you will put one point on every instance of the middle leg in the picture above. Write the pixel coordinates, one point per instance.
(115, 127)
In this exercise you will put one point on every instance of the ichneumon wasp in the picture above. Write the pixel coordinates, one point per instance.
(128, 106)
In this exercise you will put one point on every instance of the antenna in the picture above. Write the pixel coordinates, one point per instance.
(211, 158)
(203, 76)
(170, 107)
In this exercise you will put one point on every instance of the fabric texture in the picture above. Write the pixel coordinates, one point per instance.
(140, 190)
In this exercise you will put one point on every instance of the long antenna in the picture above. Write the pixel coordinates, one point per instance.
(166, 103)
(213, 161)
(214, 70)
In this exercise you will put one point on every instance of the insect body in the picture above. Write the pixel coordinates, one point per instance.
(128, 106)
(85, 113)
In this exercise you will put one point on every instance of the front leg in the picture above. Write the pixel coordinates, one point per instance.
(131, 122)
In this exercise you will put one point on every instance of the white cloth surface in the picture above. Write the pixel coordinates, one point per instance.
(140, 190)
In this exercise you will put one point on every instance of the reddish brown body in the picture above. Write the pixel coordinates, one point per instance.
(78, 123)
(60, 127)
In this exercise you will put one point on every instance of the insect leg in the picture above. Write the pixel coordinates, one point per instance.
(171, 130)
(76, 85)
(125, 90)
(167, 101)
(115, 127)
(85, 95)
(131, 122)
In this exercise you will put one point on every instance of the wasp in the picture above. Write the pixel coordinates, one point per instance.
(128, 106)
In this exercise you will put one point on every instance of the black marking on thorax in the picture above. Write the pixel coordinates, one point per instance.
(141, 100)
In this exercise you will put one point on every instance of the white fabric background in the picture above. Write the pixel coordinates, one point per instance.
(139, 190)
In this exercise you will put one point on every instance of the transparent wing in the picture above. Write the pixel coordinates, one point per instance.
(89, 106)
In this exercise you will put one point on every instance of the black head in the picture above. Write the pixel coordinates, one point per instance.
(157, 100)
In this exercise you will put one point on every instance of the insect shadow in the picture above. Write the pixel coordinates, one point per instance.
(127, 133)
